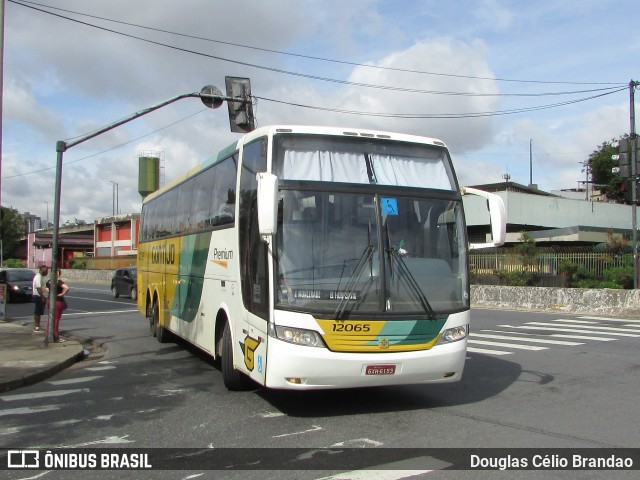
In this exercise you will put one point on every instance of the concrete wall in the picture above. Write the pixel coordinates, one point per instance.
(92, 276)
(570, 300)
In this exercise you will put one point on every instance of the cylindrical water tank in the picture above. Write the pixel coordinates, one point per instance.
(148, 175)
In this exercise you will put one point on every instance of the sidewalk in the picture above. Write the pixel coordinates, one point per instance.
(25, 360)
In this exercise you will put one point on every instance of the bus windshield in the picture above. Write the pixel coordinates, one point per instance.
(368, 230)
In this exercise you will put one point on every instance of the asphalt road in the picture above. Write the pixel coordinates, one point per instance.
(532, 380)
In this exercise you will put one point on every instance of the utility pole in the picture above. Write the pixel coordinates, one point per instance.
(114, 193)
(531, 162)
(633, 140)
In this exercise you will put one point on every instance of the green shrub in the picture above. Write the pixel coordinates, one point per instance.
(78, 263)
(518, 279)
(14, 263)
(622, 277)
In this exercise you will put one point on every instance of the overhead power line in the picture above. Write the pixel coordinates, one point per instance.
(31, 5)
(112, 148)
(442, 115)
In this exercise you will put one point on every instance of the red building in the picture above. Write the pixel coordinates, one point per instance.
(116, 235)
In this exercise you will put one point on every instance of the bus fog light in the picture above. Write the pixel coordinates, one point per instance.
(453, 334)
(297, 336)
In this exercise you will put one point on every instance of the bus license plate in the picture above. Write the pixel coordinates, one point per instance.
(380, 370)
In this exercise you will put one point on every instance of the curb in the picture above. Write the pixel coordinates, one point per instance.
(40, 375)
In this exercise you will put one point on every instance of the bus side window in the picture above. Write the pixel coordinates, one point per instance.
(223, 200)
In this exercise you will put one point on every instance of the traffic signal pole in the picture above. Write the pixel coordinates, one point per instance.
(211, 97)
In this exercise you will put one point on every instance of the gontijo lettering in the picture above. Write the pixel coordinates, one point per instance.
(163, 254)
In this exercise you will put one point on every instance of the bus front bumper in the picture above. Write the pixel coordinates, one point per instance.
(310, 368)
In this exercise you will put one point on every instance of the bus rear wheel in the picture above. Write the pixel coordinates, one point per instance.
(156, 330)
(152, 316)
(233, 379)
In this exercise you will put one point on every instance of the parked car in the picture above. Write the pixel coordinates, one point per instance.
(125, 282)
(19, 284)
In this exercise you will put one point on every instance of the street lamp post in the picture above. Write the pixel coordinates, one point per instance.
(211, 96)
(114, 193)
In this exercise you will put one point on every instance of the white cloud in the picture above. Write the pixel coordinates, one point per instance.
(64, 79)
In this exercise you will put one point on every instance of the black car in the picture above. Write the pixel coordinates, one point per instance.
(19, 284)
(125, 282)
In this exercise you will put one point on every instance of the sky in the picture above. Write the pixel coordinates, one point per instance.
(528, 89)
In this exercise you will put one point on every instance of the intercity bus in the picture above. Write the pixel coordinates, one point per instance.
(313, 258)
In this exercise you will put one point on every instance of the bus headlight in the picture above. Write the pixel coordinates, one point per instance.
(453, 334)
(297, 336)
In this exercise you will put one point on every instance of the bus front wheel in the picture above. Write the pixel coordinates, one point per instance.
(233, 379)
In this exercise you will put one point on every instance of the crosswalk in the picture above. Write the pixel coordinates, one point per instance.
(507, 339)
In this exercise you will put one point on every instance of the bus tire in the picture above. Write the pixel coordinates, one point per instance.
(156, 330)
(152, 316)
(233, 379)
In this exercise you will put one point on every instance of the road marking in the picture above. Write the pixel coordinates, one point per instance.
(601, 339)
(623, 320)
(10, 430)
(32, 396)
(631, 327)
(28, 410)
(271, 414)
(87, 312)
(508, 345)
(113, 440)
(523, 339)
(584, 337)
(590, 329)
(315, 428)
(98, 369)
(74, 380)
(358, 443)
(487, 351)
(583, 322)
(35, 477)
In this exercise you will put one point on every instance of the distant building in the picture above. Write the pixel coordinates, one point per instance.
(73, 241)
(117, 235)
(547, 217)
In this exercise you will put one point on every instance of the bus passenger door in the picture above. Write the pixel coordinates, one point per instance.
(255, 293)
(251, 332)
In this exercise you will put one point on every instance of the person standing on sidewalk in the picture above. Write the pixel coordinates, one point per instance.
(39, 297)
(60, 306)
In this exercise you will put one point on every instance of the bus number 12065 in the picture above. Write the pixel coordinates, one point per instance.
(351, 327)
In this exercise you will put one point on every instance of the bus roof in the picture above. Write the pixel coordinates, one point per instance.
(270, 130)
(339, 131)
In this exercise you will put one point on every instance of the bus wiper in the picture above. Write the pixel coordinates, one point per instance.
(405, 274)
(353, 281)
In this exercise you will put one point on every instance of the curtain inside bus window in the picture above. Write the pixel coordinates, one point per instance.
(411, 172)
(336, 159)
(324, 166)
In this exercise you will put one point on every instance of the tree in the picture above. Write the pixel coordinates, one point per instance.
(527, 251)
(12, 228)
(600, 165)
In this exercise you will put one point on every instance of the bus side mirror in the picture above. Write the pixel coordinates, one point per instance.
(497, 214)
(267, 203)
